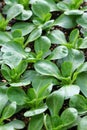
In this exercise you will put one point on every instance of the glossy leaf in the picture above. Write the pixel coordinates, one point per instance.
(82, 82)
(16, 94)
(69, 116)
(47, 68)
(82, 125)
(73, 12)
(3, 98)
(40, 9)
(36, 122)
(35, 111)
(57, 37)
(65, 21)
(82, 20)
(79, 102)
(26, 28)
(42, 44)
(9, 111)
(66, 65)
(54, 102)
(35, 34)
(14, 11)
(69, 90)
(17, 124)
(58, 53)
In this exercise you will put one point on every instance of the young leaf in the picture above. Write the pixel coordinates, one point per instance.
(54, 102)
(47, 122)
(66, 65)
(3, 98)
(6, 72)
(82, 125)
(69, 116)
(25, 15)
(9, 111)
(4, 127)
(74, 36)
(14, 11)
(76, 57)
(42, 44)
(15, 48)
(16, 94)
(52, 5)
(69, 90)
(81, 20)
(79, 102)
(36, 123)
(58, 53)
(35, 34)
(81, 81)
(25, 28)
(16, 124)
(5, 36)
(57, 37)
(83, 45)
(65, 21)
(47, 68)
(74, 12)
(35, 111)
(40, 9)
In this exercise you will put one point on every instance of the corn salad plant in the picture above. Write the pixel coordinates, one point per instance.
(43, 64)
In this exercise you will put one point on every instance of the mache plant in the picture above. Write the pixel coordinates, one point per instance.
(7, 110)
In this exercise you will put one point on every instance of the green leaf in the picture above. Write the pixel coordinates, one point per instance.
(42, 44)
(63, 6)
(65, 21)
(22, 82)
(10, 59)
(15, 48)
(82, 20)
(6, 127)
(40, 9)
(3, 98)
(74, 36)
(82, 125)
(81, 81)
(35, 34)
(47, 68)
(57, 37)
(8, 111)
(83, 44)
(16, 124)
(36, 123)
(17, 33)
(5, 36)
(25, 28)
(47, 122)
(14, 11)
(76, 57)
(35, 111)
(16, 94)
(74, 12)
(69, 116)
(25, 15)
(58, 53)
(69, 90)
(52, 5)
(6, 72)
(55, 102)
(79, 102)
(40, 82)
(66, 69)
